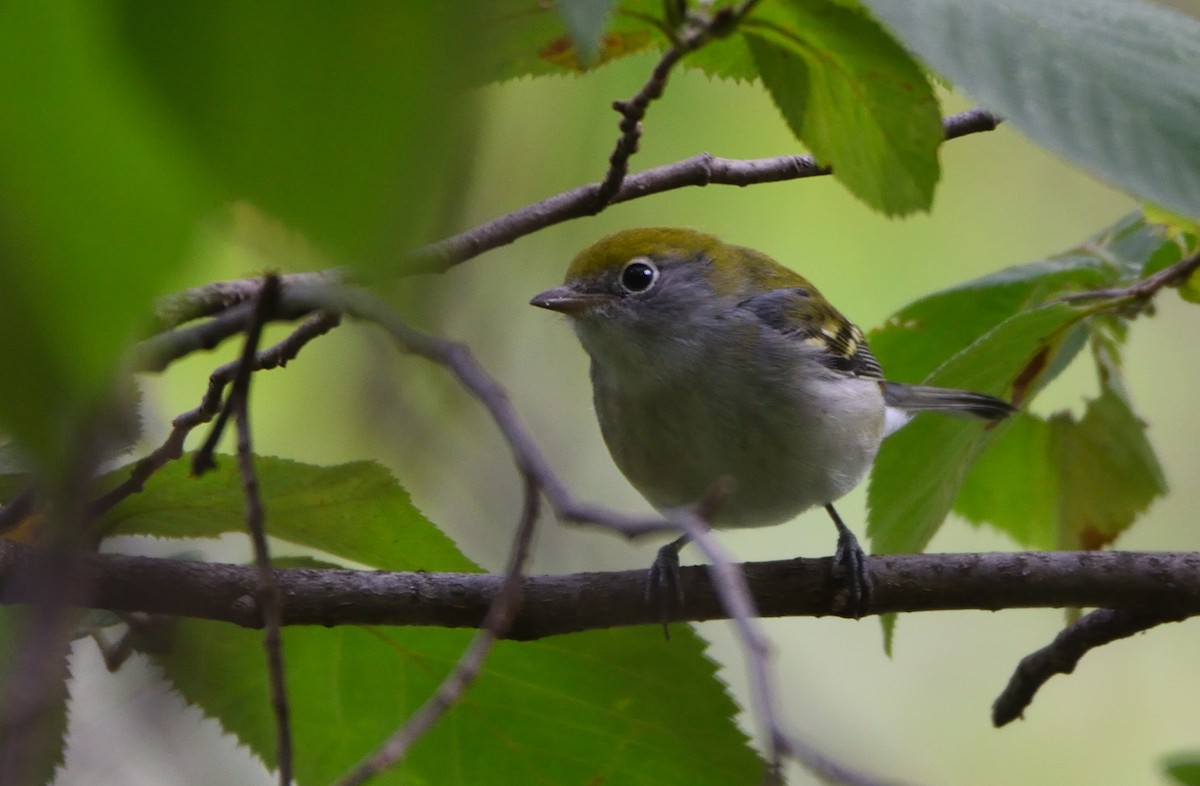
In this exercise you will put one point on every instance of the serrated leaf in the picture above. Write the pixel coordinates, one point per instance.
(1066, 483)
(920, 336)
(612, 707)
(585, 21)
(920, 469)
(1107, 84)
(616, 706)
(1107, 471)
(854, 97)
(1013, 485)
(1000, 340)
(355, 511)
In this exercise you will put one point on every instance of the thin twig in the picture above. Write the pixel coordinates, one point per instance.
(1060, 656)
(212, 299)
(270, 601)
(495, 625)
(697, 30)
(699, 170)
(1146, 288)
(171, 449)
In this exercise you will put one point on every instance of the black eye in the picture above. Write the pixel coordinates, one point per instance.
(639, 275)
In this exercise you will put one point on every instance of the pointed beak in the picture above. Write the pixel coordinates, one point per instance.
(567, 300)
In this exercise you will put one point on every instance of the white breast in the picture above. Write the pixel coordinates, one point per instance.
(790, 434)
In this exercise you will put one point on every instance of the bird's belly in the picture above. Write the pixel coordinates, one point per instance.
(785, 454)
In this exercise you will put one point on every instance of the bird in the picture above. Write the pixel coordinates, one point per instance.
(713, 365)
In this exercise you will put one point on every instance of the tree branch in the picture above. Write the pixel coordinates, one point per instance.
(700, 170)
(1062, 655)
(554, 605)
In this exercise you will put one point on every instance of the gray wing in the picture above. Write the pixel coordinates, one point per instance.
(796, 314)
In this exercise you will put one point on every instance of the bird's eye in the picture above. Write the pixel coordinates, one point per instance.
(639, 275)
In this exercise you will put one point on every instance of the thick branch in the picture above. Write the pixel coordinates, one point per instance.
(565, 604)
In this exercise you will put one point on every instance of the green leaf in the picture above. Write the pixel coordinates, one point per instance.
(585, 21)
(1009, 334)
(614, 706)
(355, 511)
(854, 97)
(920, 469)
(1183, 768)
(348, 121)
(918, 338)
(100, 198)
(1066, 483)
(1107, 471)
(1108, 84)
(1014, 485)
(526, 38)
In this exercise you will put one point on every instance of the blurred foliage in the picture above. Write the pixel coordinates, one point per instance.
(126, 123)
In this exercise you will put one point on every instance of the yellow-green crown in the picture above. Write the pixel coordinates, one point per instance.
(734, 269)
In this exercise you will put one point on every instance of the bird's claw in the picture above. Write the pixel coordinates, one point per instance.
(662, 583)
(850, 569)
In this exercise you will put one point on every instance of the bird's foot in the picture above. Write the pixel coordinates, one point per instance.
(662, 582)
(850, 569)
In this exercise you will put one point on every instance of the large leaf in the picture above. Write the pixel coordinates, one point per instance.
(1108, 84)
(920, 469)
(616, 706)
(355, 511)
(1009, 334)
(854, 97)
(922, 335)
(1066, 483)
(98, 199)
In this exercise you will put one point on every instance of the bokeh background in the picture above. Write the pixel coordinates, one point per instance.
(921, 716)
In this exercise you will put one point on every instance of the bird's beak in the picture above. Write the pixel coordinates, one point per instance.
(567, 300)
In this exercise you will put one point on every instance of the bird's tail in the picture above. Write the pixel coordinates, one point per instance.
(923, 398)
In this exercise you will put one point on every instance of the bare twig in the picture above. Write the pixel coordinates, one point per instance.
(211, 299)
(269, 599)
(171, 449)
(1060, 656)
(1146, 288)
(697, 29)
(700, 170)
(495, 625)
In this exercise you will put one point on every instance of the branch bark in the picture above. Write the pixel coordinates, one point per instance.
(553, 605)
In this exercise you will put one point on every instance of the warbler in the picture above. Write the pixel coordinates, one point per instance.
(713, 363)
